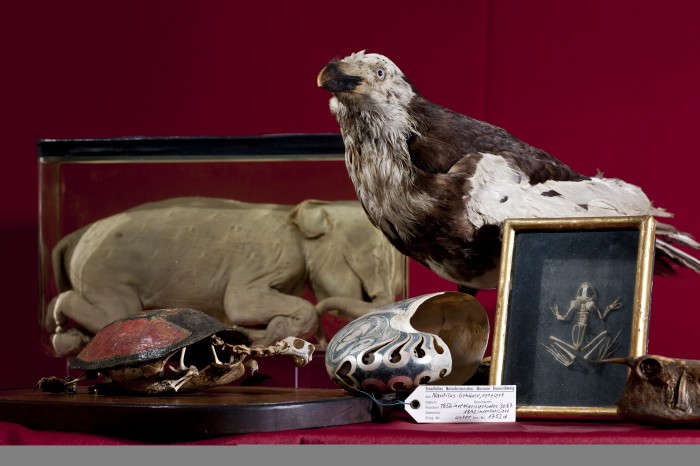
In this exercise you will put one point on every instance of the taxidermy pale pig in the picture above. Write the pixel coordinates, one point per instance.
(245, 264)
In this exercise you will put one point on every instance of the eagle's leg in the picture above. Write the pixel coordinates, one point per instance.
(467, 290)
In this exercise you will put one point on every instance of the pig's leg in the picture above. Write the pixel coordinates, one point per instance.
(268, 315)
(72, 306)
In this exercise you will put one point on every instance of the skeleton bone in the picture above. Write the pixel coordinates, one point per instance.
(299, 349)
(151, 374)
(176, 384)
(564, 352)
(585, 302)
(216, 358)
(182, 359)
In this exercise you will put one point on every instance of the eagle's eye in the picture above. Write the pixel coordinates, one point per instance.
(381, 73)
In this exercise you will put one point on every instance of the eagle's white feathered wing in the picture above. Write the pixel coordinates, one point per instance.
(499, 192)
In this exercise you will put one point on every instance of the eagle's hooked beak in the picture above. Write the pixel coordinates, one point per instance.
(332, 79)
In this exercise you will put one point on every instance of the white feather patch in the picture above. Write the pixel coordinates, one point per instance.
(500, 192)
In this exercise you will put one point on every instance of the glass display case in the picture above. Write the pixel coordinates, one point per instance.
(84, 182)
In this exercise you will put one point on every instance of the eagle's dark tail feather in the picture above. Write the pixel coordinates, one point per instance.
(668, 255)
(665, 253)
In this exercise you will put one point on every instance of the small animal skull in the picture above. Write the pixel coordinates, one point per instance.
(660, 390)
(587, 293)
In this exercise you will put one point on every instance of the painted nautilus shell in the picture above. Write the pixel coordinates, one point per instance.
(438, 337)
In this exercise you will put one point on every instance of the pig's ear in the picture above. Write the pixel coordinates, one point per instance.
(311, 218)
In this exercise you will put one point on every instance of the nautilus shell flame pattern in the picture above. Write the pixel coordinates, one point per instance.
(435, 337)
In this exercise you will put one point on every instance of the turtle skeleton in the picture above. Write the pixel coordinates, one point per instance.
(171, 350)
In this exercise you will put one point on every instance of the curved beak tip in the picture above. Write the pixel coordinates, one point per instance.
(319, 78)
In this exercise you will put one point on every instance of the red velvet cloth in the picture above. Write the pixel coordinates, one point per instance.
(398, 429)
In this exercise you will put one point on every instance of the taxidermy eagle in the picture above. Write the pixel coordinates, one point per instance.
(440, 184)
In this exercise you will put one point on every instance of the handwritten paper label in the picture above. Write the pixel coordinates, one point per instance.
(462, 403)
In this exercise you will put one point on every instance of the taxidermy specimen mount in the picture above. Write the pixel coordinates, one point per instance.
(246, 264)
(170, 350)
(660, 390)
(440, 184)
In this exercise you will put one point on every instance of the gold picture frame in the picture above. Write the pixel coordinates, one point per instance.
(572, 292)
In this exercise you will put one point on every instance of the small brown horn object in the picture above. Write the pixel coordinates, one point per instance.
(660, 390)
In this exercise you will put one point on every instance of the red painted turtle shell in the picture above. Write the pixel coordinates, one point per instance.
(149, 336)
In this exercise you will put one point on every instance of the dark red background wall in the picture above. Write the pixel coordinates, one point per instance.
(602, 85)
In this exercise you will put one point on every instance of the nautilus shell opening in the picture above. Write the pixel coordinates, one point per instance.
(439, 337)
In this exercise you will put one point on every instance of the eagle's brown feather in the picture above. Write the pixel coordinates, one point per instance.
(439, 184)
(444, 137)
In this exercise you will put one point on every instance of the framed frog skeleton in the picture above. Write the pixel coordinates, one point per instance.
(572, 293)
